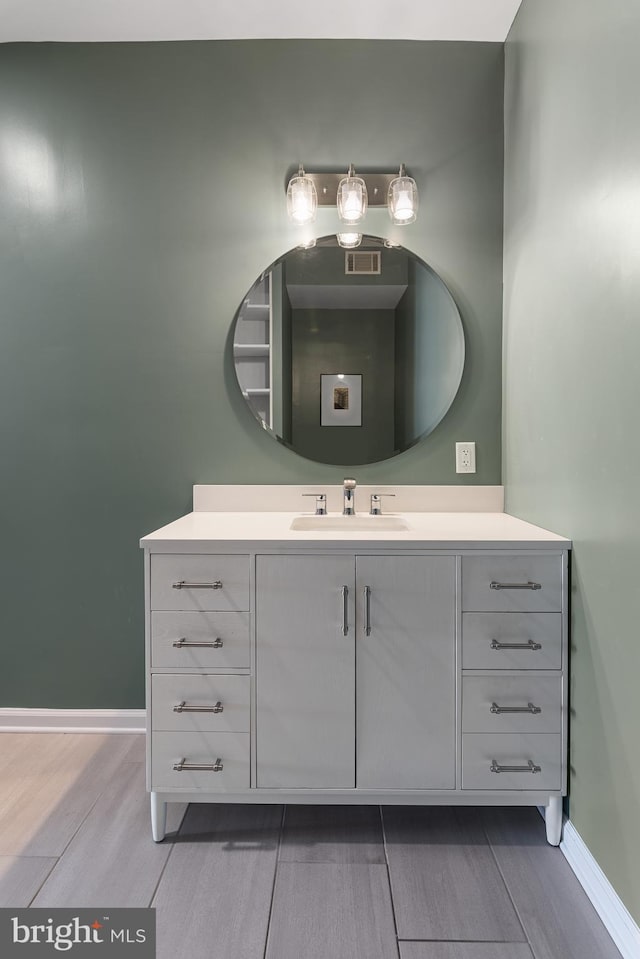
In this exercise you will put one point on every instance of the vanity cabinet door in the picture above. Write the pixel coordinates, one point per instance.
(305, 671)
(405, 650)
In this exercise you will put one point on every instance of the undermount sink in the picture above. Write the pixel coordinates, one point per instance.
(344, 524)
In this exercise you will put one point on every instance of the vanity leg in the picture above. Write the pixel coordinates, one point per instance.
(553, 820)
(158, 817)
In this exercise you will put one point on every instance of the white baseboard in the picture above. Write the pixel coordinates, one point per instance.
(72, 720)
(616, 918)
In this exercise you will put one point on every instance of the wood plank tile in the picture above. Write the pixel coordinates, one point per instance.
(465, 950)
(129, 864)
(136, 752)
(557, 916)
(444, 879)
(215, 894)
(322, 910)
(332, 834)
(21, 878)
(48, 784)
(12, 745)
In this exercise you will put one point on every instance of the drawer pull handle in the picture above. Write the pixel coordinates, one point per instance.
(528, 645)
(215, 767)
(183, 585)
(529, 708)
(529, 768)
(367, 610)
(185, 708)
(183, 643)
(529, 585)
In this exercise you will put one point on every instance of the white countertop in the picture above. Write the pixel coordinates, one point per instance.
(426, 530)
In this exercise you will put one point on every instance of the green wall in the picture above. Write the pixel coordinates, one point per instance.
(572, 341)
(142, 193)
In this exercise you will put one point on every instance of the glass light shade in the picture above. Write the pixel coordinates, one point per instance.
(302, 199)
(352, 199)
(307, 244)
(349, 241)
(402, 200)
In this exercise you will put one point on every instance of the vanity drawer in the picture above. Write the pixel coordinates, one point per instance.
(500, 583)
(169, 749)
(202, 581)
(486, 638)
(175, 637)
(176, 701)
(480, 750)
(485, 697)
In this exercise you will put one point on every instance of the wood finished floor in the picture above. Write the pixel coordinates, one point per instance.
(267, 882)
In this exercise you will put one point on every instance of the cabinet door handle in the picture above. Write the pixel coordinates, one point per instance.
(215, 767)
(185, 708)
(345, 610)
(495, 767)
(529, 708)
(528, 645)
(529, 585)
(183, 643)
(183, 585)
(367, 610)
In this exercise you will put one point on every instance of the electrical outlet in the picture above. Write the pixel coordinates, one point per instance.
(465, 457)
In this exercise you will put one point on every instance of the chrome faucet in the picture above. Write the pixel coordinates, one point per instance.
(349, 493)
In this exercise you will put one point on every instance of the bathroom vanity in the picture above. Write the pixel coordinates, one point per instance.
(301, 659)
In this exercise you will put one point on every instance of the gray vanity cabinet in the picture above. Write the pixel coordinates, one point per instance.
(305, 671)
(338, 671)
(405, 665)
(355, 671)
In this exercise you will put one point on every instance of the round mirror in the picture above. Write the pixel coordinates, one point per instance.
(349, 356)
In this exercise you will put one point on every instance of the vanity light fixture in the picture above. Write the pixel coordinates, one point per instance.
(352, 195)
(302, 198)
(402, 200)
(352, 198)
(349, 241)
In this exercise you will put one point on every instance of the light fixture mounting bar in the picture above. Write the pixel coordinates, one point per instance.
(326, 185)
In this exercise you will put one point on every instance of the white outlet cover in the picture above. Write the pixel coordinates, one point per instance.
(465, 457)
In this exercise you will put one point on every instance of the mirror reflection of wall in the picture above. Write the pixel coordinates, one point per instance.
(382, 316)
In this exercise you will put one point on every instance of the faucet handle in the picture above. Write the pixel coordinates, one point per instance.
(376, 509)
(349, 483)
(321, 503)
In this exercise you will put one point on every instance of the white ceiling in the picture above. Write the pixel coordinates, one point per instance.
(107, 20)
